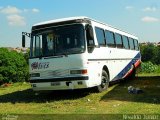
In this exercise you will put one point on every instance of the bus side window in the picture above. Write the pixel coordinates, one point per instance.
(131, 43)
(136, 44)
(90, 38)
(125, 42)
(100, 36)
(89, 35)
(110, 38)
(118, 39)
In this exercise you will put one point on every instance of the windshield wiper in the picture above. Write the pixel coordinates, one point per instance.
(74, 50)
(62, 54)
(57, 56)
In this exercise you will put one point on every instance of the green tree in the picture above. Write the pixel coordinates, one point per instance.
(148, 53)
(13, 66)
(26, 56)
(156, 57)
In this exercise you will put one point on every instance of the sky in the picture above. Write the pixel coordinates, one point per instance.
(139, 17)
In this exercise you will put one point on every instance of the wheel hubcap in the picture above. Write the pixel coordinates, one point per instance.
(104, 82)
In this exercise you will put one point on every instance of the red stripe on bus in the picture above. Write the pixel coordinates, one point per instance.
(137, 63)
(131, 70)
(128, 73)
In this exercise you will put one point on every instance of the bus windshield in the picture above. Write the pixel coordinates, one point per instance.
(61, 40)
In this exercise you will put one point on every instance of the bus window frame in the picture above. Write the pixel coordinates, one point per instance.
(127, 42)
(117, 34)
(110, 45)
(135, 44)
(101, 45)
(129, 38)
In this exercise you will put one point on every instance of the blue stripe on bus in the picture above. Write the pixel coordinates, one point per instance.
(127, 68)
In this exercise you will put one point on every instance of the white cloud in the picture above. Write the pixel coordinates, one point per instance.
(16, 20)
(35, 10)
(10, 10)
(15, 10)
(149, 19)
(150, 9)
(25, 10)
(14, 15)
(129, 7)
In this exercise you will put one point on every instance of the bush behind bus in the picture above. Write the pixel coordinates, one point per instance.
(13, 66)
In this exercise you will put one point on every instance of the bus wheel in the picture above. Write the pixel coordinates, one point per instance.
(104, 82)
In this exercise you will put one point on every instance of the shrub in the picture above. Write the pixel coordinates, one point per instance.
(148, 67)
(151, 53)
(13, 66)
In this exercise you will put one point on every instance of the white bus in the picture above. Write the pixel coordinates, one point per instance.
(79, 52)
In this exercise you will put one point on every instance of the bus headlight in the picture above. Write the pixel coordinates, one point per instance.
(79, 71)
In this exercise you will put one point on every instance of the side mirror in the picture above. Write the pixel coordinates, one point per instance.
(23, 40)
(24, 34)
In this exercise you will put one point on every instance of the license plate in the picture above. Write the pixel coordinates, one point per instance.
(55, 83)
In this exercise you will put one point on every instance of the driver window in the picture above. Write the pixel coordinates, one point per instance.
(50, 44)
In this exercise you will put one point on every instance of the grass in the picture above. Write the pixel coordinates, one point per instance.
(148, 74)
(20, 99)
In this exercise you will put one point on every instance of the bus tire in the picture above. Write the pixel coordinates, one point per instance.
(104, 82)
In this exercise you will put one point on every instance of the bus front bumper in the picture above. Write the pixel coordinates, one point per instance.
(64, 83)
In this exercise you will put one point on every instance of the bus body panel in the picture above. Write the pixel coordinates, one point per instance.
(114, 59)
(57, 75)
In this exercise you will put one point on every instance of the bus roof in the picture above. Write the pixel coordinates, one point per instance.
(60, 20)
(78, 18)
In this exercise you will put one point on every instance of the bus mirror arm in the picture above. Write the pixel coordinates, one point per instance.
(23, 37)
